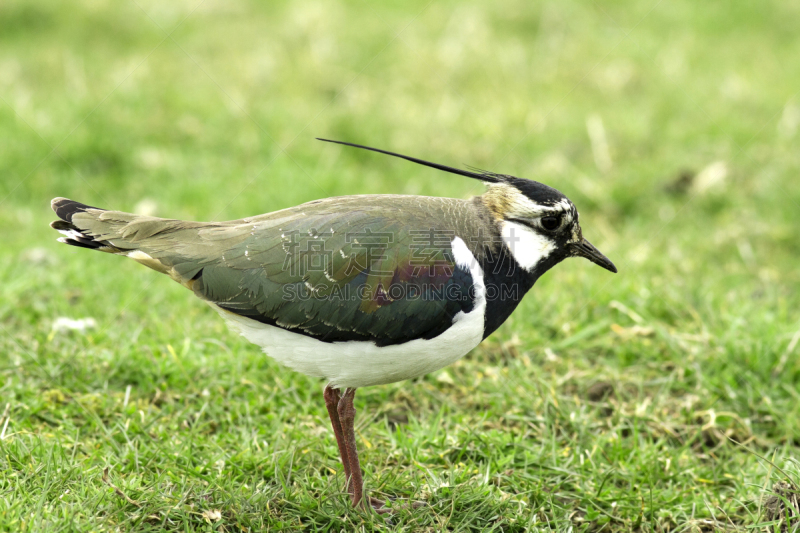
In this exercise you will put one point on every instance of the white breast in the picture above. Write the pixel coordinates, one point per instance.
(358, 363)
(527, 246)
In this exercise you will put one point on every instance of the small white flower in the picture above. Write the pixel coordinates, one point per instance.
(62, 324)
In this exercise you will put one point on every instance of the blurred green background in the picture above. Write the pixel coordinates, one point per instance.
(604, 403)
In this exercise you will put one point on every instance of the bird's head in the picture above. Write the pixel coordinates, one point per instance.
(538, 224)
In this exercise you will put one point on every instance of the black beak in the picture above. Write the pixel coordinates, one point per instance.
(587, 250)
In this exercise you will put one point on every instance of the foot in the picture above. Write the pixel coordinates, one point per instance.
(342, 414)
(379, 506)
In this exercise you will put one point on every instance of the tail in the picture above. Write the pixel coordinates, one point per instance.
(165, 245)
(74, 235)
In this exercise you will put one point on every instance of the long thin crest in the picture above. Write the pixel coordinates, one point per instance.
(488, 177)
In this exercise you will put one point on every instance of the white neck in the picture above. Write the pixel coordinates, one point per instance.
(527, 247)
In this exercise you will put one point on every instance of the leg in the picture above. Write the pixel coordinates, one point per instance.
(347, 416)
(332, 398)
(355, 485)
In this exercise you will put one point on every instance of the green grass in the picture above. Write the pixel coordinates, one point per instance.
(606, 403)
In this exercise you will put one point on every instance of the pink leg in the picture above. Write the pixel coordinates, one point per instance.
(355, 485)
(332, 398)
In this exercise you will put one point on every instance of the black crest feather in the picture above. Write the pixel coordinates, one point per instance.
(538, 192)
(482, 175)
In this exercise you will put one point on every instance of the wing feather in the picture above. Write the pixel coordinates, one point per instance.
(340, 274)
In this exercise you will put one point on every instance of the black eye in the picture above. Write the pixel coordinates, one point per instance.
(550, 223)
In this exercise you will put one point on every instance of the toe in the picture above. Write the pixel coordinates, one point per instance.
(378, 506)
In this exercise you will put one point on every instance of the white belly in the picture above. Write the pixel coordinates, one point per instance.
(358, 363)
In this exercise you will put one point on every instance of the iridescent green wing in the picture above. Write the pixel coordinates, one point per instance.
(355, 268)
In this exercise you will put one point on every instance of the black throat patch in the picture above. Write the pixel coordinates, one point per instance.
(507, 283)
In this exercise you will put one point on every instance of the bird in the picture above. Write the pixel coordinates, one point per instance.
(358, 290)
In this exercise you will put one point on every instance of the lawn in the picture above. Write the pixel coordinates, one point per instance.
(663, 398)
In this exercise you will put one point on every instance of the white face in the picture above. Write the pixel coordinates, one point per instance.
(527, 246)
(531, 231)
(524, 229)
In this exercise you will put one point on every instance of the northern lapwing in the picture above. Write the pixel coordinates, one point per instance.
(358, 290)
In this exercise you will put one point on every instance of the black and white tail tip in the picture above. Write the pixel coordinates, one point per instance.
(74, 236)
